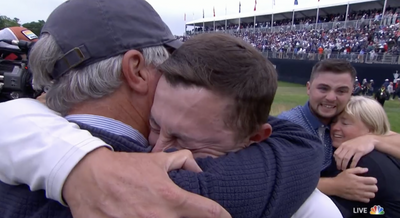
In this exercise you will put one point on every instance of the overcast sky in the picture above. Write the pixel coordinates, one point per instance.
(172, 11)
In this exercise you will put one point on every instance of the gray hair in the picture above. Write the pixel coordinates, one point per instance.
(91, 82)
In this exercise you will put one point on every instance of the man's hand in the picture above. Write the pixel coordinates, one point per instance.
(108, 184)
(354, 148)
(351, 186)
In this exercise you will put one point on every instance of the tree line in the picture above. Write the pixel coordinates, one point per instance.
(34, 26)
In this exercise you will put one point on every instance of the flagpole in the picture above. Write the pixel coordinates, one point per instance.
(204, 26)
(293, 18)
(383, 12)
(254, 25)
(272, 15)
(239, 24)
(214, 19)
(347, 13)
(240, 10)
(184, 18)
(226, 13)
(295, 3)
(255, 9)
(317, 18)
(194, 25)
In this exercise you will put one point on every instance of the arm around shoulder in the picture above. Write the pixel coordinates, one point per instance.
(244, 182)
(38, 147)
(327, 186)
(242, 189)
(388, 144)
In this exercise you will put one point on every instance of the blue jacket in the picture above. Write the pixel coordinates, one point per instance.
(270, 179)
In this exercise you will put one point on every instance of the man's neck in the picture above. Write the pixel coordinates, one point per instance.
(325, 121)
(110, 107)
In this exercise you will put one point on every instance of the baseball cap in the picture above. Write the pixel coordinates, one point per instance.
(88, 31)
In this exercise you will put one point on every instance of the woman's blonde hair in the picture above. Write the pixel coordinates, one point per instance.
(370, 112)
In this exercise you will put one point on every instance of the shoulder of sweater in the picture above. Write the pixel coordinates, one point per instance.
(284, 126)
(290, 114)
(291, 133)
(285, 140)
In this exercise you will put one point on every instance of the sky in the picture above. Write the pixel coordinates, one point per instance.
(171, 11)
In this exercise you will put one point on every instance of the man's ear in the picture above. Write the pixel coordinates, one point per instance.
(133, 65)
(308, 87)
(263, 133)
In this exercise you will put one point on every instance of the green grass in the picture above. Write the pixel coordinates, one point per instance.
(291, 95)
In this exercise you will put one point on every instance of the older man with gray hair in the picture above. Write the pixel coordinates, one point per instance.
(110, 50)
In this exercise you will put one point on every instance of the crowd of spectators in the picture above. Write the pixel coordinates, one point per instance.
(374, 40)
(370, 41)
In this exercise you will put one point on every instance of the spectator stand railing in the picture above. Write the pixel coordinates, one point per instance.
(369, 58)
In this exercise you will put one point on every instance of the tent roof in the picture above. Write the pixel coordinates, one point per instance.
(334, 8)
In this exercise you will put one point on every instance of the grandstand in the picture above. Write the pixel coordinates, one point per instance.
(368, 34)
(264, 19)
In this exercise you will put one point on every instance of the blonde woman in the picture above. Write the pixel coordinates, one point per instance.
(366, 116)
